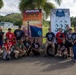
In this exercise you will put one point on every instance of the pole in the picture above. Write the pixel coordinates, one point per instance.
(28, 28)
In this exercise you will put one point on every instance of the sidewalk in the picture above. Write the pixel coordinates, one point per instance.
(38, 66)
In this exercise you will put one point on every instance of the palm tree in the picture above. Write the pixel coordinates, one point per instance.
(38, 4)
(1, 3)
(58, 2)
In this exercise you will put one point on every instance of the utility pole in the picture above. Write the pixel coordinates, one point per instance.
(28, 28)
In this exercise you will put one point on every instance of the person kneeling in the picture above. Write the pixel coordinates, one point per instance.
(7, 50)
(19, 49)
(27, 45)
(35, 47)
(1, 52)
(63, 49)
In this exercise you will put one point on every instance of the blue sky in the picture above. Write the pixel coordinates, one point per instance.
(11, 6)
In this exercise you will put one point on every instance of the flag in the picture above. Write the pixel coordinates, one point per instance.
(35, 31)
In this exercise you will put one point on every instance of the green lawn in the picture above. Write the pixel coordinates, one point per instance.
(45, 30)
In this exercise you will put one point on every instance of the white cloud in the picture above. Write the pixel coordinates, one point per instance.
(68, 4)
(11, 6)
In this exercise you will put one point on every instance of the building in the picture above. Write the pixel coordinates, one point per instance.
(7, 25)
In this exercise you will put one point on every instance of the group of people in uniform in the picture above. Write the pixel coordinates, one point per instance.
(18, 44)
(63, 43)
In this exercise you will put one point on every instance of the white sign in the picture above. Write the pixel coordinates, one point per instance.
(60, 18)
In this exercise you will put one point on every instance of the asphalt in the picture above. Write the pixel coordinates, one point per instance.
(38, 66)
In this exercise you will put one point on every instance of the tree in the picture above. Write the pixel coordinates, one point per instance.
(58, 2)
(73, 21)
(1, 3)
(16, 19)
(38, 4)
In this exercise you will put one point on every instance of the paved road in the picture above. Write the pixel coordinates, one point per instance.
(38, 66)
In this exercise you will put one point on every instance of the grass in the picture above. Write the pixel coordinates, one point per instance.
(5, 30)
(45, 30)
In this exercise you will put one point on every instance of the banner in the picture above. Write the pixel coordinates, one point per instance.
(60, 18)
(32, 22)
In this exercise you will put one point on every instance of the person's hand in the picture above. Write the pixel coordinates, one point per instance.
(72, 43)
(75, 41)
(21, 51)
(70, 40)
(25, 48)
(8, 52)
(61, 38)
(49, 42)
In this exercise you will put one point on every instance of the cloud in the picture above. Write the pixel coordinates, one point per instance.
(10, 6)
(69, 4)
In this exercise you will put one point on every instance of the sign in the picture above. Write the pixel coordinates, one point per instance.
(32, 22)
(60, 18)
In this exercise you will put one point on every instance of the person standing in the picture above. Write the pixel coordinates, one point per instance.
(1, 37)
(74, 43)
(67, 30)
(69, 42)
(10, 35)
(59, 37)
(1, 40)
(19, 34)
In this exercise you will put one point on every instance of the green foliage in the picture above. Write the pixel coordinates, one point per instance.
(48, 6)
(73, 21)
(45, 30)
(58, 1)
(18, 22)
(38, 4)
(46, 23)
(1, 3)
(16, 19)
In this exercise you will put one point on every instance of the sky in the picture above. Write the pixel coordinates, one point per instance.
(11, 6)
